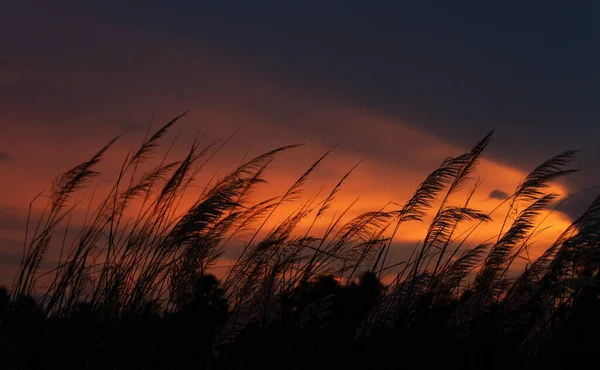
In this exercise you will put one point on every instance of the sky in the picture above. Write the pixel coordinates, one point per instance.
(399, 85)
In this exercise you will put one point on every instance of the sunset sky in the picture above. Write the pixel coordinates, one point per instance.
(398, 86)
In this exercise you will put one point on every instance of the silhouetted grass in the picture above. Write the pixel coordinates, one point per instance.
(138, 291)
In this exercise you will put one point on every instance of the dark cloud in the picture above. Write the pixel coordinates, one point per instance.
(129, 126)
(573, 206)
(14, 219)
(10, 259)
(498, 194)
(10, 252)
(453, 70)
(5, 156)
(576, 204)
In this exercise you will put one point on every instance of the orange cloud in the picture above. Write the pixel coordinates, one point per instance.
(396, 156)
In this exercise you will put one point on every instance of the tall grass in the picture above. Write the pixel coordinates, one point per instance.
(143, 248)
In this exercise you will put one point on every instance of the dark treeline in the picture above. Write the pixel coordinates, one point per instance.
(138, 292)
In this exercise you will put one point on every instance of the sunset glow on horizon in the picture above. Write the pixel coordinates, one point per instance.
(371, 186)
(399, 119)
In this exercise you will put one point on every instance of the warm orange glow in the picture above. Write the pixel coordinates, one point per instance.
(396, 156)
(377, 181)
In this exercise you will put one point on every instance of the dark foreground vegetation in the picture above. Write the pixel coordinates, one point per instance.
(139, 293)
